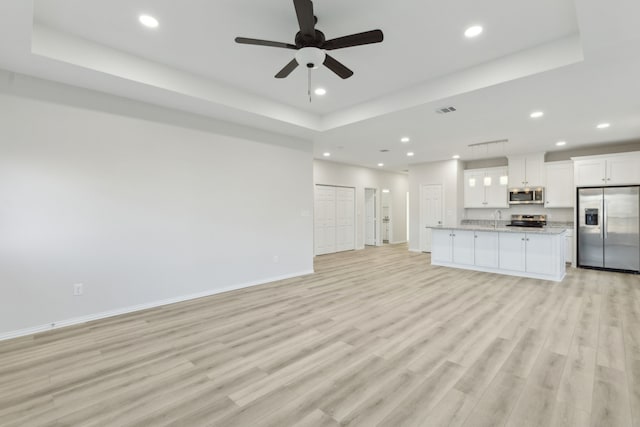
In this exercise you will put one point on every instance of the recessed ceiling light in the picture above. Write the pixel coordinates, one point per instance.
(561, 143)
(148, 21)
(327, 154)
(380, 164)
(603, 125)
(385, 190)
(410, 154)
(536, 114)
(456, 157)
(405, 139)
(472, 32)
(320, 91)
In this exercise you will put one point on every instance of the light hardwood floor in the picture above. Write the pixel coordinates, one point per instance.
(374, 337)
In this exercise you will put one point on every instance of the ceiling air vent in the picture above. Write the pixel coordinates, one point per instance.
(384, 151)
(446, 110)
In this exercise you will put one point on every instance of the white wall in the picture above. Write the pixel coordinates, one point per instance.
(138, 211)
(332, 173)
(449, 175)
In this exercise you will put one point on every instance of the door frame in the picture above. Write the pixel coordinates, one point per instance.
(422, 210)
(390, 223)
(376, 225)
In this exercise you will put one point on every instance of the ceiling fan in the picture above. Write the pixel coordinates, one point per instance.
(311, 44)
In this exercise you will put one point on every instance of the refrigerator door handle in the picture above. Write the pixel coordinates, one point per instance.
(605, 220)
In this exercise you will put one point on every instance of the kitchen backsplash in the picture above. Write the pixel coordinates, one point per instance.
(557, 215)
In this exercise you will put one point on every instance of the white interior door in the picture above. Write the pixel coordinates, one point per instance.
(370, 216)
(345, 219)
(430, 213)
(325, 220)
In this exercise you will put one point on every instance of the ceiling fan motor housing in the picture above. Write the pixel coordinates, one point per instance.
(311, 57)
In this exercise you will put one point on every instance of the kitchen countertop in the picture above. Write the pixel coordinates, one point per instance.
(504, 229)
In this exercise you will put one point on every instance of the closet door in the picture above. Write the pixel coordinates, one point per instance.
(325, 220)
(345, 214)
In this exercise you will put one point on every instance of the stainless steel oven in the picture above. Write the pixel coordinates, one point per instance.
(526, 196)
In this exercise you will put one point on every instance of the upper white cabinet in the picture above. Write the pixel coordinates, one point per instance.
(526, 171)
(486, 188)
(559, 188)
(611, 169)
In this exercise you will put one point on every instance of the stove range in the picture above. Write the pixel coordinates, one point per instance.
(535, 221)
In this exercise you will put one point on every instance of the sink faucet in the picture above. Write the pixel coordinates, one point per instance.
(497, 215)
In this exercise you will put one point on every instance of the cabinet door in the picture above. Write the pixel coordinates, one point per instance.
(559, 191)
(463, 247)
(623, 170)
(540, 254)
(474, 189)
(486, 249)
(517, 168)
(512, 251)
(441, 245)
(589, 173)
(495, 188)
(533, 167)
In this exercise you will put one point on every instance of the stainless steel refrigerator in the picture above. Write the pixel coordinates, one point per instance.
(609, 228)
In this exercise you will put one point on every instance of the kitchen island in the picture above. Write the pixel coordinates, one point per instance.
(537, 253)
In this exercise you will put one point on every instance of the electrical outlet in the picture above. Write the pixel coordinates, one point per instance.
(276, 258)
(78, 289)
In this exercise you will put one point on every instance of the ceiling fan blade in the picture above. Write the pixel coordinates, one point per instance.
(368, 37)
(258, 42)
(306, 19)
(337, 67)
(287, 69)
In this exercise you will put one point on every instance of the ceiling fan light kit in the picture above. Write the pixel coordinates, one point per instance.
(311, 45)
(310, 57)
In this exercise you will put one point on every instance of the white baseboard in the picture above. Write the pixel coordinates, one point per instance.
(398, 242)
(415, 250)
(103, 315)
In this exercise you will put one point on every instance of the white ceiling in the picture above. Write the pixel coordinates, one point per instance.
(576, 60)
(423, 39)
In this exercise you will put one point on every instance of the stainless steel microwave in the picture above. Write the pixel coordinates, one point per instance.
(526, 196)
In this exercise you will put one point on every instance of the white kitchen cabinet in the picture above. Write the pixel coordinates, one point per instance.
(611, 169)
(486, 188)
(486, 249)
(526, 170)
(529, 252)
(559, 188)
(623, 170)
(441, 245)
(496, 191)
(512, 251)
(463, 247)
(590, 172)
(452, 246)
(537, 249)
(474, 188)
(535, 255)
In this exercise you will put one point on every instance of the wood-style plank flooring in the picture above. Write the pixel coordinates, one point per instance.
(374, 337)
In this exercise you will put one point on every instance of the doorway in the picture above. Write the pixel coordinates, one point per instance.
(430, 213)
(370, 219)
(385, 207)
